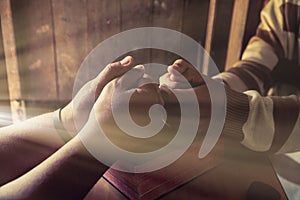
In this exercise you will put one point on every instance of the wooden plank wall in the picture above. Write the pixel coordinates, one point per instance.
(17, 104)
(246, 17)
(4, 96)
(5, 112)
(54, 36)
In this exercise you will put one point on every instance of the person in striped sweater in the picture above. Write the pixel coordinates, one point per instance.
(265, 123)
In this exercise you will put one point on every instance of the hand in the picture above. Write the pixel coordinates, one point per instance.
(180, 67)
(212, 102)
(105, 136)
(142, 94)
(174, 79)
(86, 96)
(126, 121)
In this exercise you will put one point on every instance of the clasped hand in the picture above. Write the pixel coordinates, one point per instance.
(117, 81)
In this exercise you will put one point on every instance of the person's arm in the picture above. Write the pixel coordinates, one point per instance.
(67, 174)
(264, 124)
(274, 40)
(273, 124)
(71, 171)
(26, 144)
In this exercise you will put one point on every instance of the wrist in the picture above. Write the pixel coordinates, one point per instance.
(237, 111)
(59, 127)
(67, 120)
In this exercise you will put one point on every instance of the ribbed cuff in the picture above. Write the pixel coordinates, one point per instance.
(236, 114)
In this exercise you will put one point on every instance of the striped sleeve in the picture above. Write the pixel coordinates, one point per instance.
(272, 124)
(274, 40)
(263, 124)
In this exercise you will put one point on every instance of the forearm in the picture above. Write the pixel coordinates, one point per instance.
(68, 174)
(247, 75)
(269, 125)
(24, 145)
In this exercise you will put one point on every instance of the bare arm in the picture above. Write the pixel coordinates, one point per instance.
(24, 145)
(67, 174)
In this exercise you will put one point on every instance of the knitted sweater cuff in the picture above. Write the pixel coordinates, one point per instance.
(236, 113)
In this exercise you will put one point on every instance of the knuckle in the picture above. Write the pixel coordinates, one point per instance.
(180, 61)
(110, 67)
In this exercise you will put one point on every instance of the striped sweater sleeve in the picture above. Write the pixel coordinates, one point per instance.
(264, 124)
(272, 124)
(275, 39)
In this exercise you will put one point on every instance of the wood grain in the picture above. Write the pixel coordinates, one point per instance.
(137, 14)
(4, 95)
(17, 105)
(237, 31)
(34, 41)
(70, 22)
(103, 21)
(218, 28)
(166, 14)
(246, 17)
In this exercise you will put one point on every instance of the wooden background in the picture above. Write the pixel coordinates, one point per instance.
(52, 38)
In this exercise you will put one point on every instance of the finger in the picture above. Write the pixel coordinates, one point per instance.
(193, 76)
(116, 69)
(189, 72)
(131, 79)
(141, 102)
(150, 93)
(112, 71)
(177, 77)
(179, 65)
(165, 80)
(146, 79)
(178, 68)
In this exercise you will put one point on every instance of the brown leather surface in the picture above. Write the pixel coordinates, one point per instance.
(231, 180)
(232, 177)
(154, 184)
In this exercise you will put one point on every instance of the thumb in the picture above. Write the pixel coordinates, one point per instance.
(131, 78)
(111, 72)
(116, 69)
